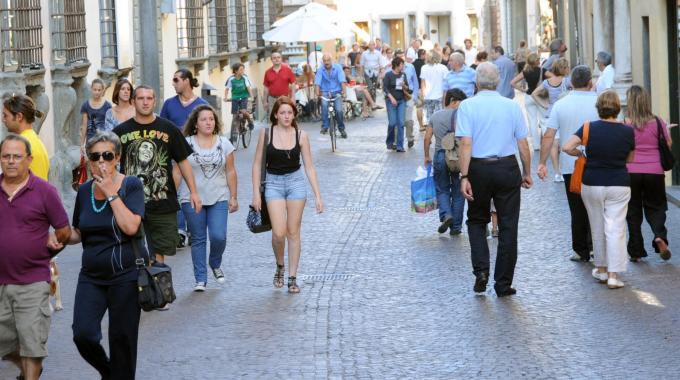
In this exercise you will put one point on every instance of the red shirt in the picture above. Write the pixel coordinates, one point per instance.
(278, 83)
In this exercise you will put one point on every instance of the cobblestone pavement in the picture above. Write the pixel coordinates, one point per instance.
(385, 296)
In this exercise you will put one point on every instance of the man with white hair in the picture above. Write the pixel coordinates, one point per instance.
(491, 128)
(460, 76)
(606, 79)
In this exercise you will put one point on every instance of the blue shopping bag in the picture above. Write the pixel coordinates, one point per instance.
(423, 193)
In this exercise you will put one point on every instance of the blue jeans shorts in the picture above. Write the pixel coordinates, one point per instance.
(238, 104)
(292, 186)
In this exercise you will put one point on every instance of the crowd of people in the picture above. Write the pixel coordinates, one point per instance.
(160, 182)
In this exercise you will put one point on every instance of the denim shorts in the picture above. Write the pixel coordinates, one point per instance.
(238, 104)
(292, 186)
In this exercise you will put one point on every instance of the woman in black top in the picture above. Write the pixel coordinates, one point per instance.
(531, 75)
(394, 86)
(285, 189)
(606, 186)
(106, 220)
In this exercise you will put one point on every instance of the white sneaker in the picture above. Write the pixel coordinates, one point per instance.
(200, 287)
(219, 275)
(600, 277)
(614, 283)
(558, 178)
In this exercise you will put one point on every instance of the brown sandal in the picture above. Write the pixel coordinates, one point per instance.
(278, 276)
(292, 285)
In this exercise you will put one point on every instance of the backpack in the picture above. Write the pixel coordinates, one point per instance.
(450, 146)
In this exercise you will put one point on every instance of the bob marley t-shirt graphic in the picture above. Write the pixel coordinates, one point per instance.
(148, 152)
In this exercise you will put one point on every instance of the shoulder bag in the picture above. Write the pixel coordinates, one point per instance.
(580, 165)
(79, 174)
(667, 158)
(450, 146)
(259, 221)
(154, 283)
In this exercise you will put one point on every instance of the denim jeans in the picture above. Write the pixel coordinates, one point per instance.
(325, 120)
(212, 222)
(449, 198)
(181, 222)
(395, 115)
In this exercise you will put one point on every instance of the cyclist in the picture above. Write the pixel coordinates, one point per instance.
(330, 81)
(241, 90)
(370, 62)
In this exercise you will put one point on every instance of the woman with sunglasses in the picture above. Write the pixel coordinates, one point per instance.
(106, 220)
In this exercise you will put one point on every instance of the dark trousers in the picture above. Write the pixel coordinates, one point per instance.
(91, 303)
(648, 195)
(500, 181)
(581, 239)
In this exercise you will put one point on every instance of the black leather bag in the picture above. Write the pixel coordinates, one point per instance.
(667, 158)
(259, 221)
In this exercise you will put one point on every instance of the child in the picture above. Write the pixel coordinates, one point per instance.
(240, 92)
(93, 112)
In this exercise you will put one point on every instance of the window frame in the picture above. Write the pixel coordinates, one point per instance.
(190, 29)
(21, 44)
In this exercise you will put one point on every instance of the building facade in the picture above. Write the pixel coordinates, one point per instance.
(53, 49)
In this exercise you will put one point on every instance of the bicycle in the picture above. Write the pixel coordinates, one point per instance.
(372, 85)
(332, 130)
(240, 132)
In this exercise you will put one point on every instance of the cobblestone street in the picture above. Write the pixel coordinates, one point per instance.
(385, 296)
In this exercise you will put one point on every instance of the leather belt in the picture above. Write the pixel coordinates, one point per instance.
(494, 158)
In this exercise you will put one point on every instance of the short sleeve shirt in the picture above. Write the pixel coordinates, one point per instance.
(26, 222)
(278, 83)
(440, 122)
(609, 144)
(177, 113)
(95, 117)
(108, 256)
(208, 166)
(433, 78)
(148, 152)
(40, 165)
(239, 87)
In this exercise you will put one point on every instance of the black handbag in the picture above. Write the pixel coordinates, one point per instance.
(154, 283)
(667, 158)
(259, 221)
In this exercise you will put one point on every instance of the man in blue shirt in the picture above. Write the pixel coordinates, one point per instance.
(507, 69)
(491, 128)
(330, 81)
(413, 85)
(460, 76)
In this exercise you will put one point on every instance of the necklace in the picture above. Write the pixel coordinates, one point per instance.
(94, 205)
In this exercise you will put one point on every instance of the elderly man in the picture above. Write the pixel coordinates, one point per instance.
(29, 206)
(606, 79)
(460, 76)
(507, 70)
(412, 51)
(330, 82)
(279, 81)
(371, 64)
(491, 129)
(567, 116)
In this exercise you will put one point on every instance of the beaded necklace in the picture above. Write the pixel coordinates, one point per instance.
(94, 205)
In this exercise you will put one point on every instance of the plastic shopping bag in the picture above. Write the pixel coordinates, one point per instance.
(423, 193)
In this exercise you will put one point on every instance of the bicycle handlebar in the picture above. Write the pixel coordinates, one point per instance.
(329, 100)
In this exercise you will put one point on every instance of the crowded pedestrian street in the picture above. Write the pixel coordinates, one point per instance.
(384, 296)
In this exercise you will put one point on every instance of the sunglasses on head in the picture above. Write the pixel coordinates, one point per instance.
(108, 156)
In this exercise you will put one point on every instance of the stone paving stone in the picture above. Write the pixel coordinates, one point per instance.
(407, 310)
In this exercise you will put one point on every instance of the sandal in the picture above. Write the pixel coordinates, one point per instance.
(278, 276)
(292, 285)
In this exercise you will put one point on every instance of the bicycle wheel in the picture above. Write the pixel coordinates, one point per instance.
(234, 134)
(245, 136)
(333, 135)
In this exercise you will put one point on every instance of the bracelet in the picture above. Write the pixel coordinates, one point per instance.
(463, 176)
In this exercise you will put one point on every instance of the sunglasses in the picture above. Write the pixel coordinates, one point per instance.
(95, 156)
(175, 79)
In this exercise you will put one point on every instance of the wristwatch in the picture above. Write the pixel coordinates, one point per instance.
(463, 176)
(112, 198)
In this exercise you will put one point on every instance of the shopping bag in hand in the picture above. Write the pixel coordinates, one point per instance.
(423, 193)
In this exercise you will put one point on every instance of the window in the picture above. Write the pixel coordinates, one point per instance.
(68, 31)
(218, 35)
(20, 29)
(107, 22)
(190, 29)
(257, 17)
(238, 24)
(272, 12)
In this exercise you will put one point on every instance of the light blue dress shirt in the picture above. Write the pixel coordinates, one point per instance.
(507, 70)
(464, 80)
(494, 123)
(412, 79)
(330, 82)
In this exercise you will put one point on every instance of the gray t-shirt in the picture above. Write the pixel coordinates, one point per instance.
(210, 175)
(440, 122)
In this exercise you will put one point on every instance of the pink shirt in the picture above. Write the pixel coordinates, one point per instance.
(647, 157)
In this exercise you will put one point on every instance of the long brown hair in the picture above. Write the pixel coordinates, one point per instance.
(116, 90)
(275, 109)
(190, 128)
(639, 106)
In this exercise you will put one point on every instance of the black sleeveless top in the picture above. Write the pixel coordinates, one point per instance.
(532, 77)
(283, 161)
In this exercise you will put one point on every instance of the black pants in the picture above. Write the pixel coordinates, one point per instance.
(581, 239)
(648, 194)
(91, 303)
(500, 181)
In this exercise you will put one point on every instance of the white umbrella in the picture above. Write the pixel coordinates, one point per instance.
(327, 15)
(306, 28)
